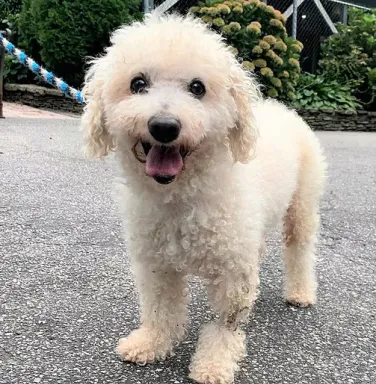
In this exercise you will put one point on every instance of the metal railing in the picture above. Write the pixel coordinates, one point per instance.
(313, 21)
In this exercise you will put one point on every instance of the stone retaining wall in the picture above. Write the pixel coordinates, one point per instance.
(40, 97)
(327, 120)
(320, 120)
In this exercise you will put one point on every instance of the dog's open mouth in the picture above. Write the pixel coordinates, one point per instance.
(163, 163)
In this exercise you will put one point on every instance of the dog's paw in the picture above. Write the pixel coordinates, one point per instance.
(142, 347)
(215, 374)
(218, 352)
(301, 301)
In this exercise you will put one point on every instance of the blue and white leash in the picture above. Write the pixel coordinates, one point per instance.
(47, 76)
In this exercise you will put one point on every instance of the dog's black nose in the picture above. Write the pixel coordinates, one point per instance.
(164, 128)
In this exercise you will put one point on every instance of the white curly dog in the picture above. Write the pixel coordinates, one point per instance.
(210, 167)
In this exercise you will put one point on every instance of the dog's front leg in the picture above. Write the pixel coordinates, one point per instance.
(164, 296)
(222, 344)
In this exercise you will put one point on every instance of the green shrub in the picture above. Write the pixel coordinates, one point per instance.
(11, 23)
(349, 57)
(27, 30)
(314, 91)
(9, 7)
(63, 33)
(14, 71)
(258, 34)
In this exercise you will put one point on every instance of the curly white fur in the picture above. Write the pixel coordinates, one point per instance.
(254, 164)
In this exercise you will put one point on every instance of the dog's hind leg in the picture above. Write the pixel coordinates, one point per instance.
(300, 228)
(164, 296)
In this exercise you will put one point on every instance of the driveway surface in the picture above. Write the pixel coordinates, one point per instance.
(66, 293)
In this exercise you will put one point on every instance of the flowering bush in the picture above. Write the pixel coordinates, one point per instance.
(257, 32)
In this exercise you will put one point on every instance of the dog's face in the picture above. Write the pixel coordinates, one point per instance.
(165, 87)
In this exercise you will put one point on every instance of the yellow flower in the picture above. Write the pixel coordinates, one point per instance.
(267, 72)
(248, 66)
(278, 60)
(294, 63)
(289, 86)
(278, 15)
(270, 53)
(277, 23)
(254, 27)
(260, 63)
(276, 82)
(204, 10)
(232, 4)
(264, 45)
(296, 48)
(270, 10)
(226, 29)
(294, 76)
(285, 74)
(219, 22)
(194, 9)
(257, 50)
(270, 39)
(224, 9)
(255, 24)
(206, 19)
(235, 26)
(234, 50)
(238, 9)
(256, 31)
(272, 92)
(262, 5)
(212, 11)
(280, 46)
(251, 3)
(299, 43)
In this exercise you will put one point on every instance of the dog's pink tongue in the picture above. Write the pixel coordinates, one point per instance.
(163, 161)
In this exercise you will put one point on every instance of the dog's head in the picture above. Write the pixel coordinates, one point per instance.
(164, 88)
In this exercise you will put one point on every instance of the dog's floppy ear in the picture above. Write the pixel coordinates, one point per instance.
(97, 140)
(243, 136)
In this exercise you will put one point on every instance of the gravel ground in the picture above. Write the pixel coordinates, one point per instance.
(66, 294)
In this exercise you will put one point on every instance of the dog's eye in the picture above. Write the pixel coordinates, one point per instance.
(139, 85)
(197, 88)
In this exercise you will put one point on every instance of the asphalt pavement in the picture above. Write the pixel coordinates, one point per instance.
(66, 293)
